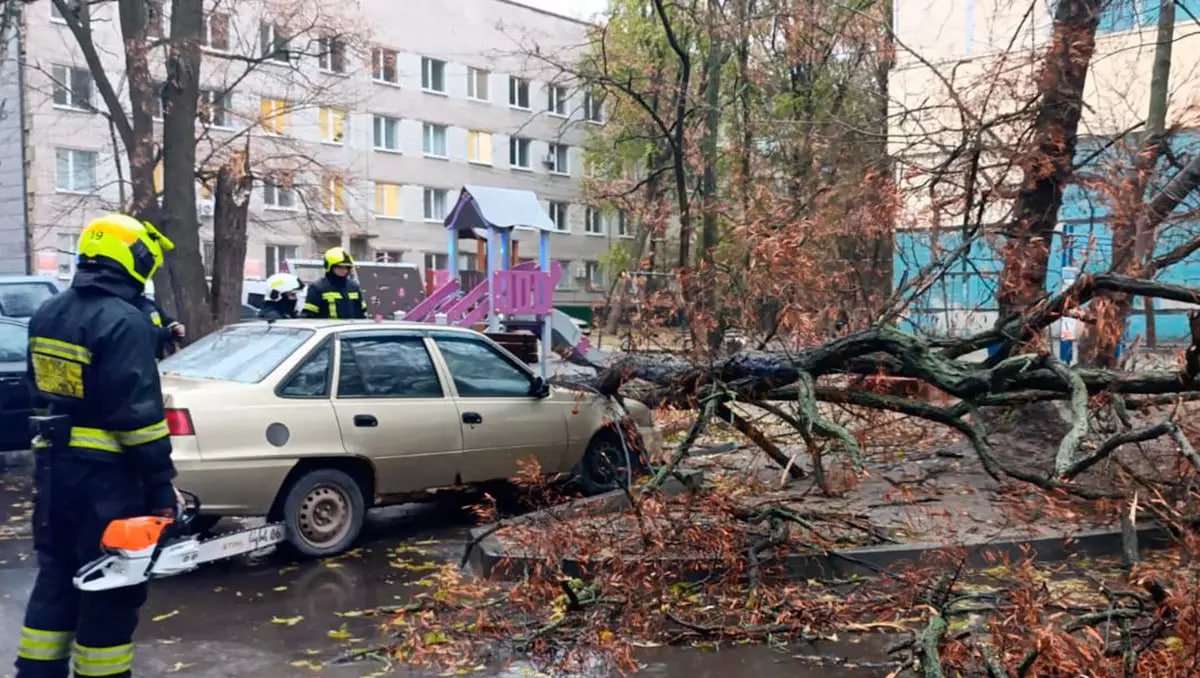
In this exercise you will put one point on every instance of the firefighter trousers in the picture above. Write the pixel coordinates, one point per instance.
(65, 628)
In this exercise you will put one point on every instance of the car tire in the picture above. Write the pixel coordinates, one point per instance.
(602, 468)
(323, 513)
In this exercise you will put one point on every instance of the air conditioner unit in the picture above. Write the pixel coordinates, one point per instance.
(579, 270)
(548, 161)
(205, 208)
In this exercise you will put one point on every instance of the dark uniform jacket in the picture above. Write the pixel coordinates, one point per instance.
(335, 297)
(91, 356)
(161, 322)
(278, 309)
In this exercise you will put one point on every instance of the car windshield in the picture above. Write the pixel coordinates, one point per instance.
(14, 339)
(20, 300)
(242, 353)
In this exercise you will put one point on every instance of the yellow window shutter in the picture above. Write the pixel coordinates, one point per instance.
(339, 125)
(323, 121)
(485, 148)
(380, 207)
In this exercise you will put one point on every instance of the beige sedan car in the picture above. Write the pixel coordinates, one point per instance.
(312, 422)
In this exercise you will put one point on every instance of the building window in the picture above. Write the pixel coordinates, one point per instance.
(558, 159)
(333, 193)
(479, 147)
(593, 107)
(558, 214)
(556, 100)
(65, 254)
(477, 84)
(279, 195)
(154, 18)
(436, 262)
(518, 153)
(331, 55)
(434, 140)
(595, 274)
(72, 87)
(383, 65)
(387, 134)
(332, 123)
(433, 75)
(388, 256)
(594, 223)
(160, 100)
(214, 34)
(273, 41)
(564, 281)
(435, 204)
(276, 255)
(387, 200)
(518, 93)
(76, 170)
(623, 224)
(215, 108)
(274, 116)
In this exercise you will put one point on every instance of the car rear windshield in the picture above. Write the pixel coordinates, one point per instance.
(20, 300)
(243, 353)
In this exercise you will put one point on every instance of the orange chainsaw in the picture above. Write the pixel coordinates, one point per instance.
(152, 547)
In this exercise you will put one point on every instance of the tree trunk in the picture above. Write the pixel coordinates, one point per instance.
(1048, 164)
(140, 147)
(234, 183)
(1133, 237)
(710, 235)
(185, 270)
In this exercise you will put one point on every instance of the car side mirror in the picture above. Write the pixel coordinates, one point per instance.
(539, 388)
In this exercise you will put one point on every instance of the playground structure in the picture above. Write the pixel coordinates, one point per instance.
(510, 298)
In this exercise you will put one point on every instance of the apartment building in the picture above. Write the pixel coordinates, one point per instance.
(982, 56)
(361, 129)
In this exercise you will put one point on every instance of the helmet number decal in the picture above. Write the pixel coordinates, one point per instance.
(57, 376)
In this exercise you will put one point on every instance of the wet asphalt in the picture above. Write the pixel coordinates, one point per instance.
(273, 618)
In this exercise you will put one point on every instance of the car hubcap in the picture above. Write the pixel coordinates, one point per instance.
(324, 515)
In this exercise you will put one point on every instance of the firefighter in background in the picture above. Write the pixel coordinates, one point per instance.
(336, 295)
(281, 299)
(167, 330)
(102, 452)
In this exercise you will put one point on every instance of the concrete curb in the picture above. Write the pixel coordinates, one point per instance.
(489, 559)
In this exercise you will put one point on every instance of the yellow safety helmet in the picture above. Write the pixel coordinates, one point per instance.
(136, 245)
(336, 256)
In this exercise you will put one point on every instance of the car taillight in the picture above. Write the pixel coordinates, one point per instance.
(179, 422)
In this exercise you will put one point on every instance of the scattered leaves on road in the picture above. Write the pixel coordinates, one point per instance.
(163, 617)
(287, 621)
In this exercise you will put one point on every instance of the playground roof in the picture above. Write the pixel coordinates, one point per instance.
(482, 207)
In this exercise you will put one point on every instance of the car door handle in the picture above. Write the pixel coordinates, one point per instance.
(365, 420)
(472, 418)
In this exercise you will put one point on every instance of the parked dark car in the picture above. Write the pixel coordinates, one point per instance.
(21, 295)
(15, 398)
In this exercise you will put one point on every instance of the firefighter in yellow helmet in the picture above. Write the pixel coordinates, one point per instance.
(336, 295)
(101, 453)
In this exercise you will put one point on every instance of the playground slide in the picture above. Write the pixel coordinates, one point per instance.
(565, 339)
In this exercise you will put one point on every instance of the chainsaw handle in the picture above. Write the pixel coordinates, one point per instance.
(178, 527)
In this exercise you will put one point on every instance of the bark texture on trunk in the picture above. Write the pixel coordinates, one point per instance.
(234, 183)
(1047, 165)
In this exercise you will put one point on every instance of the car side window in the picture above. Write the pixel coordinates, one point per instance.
(14, 339)
(311, 379)
(479, 371)
(387, 367)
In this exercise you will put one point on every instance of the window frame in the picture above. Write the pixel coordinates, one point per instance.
(326, 342)
(332, 116)
(342, 337)
(74, 190)
(563, 170)
(557, 98)
(379, 56)
(329, 47)
(66, 86)
(559, 208)
(622, 218)
(516, 85)
(207, 97)
(428, 68)
(273, 31)
(475, 147)
(379, 131)
(514, 152)
(206, 40)
(426, 201)
(593, 108)
(333, 193)
(593, 215)
(428, 128)
(276, 189)
(380, 194)
(473, 79)
(435, 337)
(279, 249)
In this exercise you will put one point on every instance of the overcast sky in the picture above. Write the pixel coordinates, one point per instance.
(582, 9)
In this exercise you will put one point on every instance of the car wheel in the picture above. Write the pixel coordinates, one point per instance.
(604, 466)
(323, 513)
